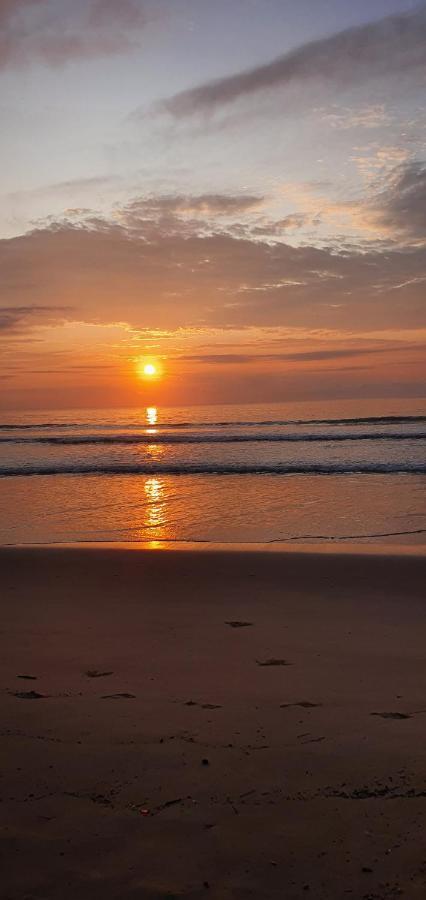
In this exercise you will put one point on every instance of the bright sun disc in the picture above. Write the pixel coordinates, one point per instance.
(149, 369)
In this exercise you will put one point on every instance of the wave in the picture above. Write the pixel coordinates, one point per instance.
(154, 468)
(365, 420)
(214, 438)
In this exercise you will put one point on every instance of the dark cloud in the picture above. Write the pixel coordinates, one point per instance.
(152, 276)
(401, 207)
(396, 44)
(44, 31)
(14, 318)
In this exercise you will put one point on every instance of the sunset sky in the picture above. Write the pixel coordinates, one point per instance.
(233, 191)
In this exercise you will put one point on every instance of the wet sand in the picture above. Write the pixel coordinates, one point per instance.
(212, 725)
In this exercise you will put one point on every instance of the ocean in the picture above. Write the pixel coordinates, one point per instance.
(337, 471)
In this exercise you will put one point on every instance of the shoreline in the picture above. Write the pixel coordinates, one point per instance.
(327, 548)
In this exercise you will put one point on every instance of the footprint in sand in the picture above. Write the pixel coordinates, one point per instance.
(119, 697)
(94, 673)
(305, 704)
(237, 624)
(203, 705)
(273, 662)
(391, 715)
(28, 695)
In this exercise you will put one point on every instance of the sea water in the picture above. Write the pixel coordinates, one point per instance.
(279, 472)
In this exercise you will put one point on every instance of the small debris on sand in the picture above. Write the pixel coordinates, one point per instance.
(237, 624)
(28, 677)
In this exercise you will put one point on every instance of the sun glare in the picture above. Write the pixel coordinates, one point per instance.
(149, 369)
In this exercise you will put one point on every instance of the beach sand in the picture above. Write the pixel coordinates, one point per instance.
(212, 725)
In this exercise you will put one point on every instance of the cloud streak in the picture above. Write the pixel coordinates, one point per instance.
(302, 356)
(395, 44)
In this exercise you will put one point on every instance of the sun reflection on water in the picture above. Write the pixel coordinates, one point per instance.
(155, 526)
(152, 415)
(155, 510)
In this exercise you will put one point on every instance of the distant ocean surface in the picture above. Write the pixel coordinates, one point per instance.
(277, 472)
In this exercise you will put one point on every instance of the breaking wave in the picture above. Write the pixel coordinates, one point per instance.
(196, 468)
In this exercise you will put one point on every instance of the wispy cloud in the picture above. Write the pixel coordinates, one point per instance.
(345, 118)
(53, 33)
(391, 45)
(72, 186)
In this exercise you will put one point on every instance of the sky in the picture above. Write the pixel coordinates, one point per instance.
(233, 191)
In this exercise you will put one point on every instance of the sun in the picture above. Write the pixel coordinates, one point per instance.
(149, 370)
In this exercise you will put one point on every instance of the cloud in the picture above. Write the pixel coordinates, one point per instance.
(345, 118)
(292, 222)
(401, 206)
(47, 32)
(202, 205)
(152, 275)
(14, 318)
(395, 44)
(301, 356)
(395, 212)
